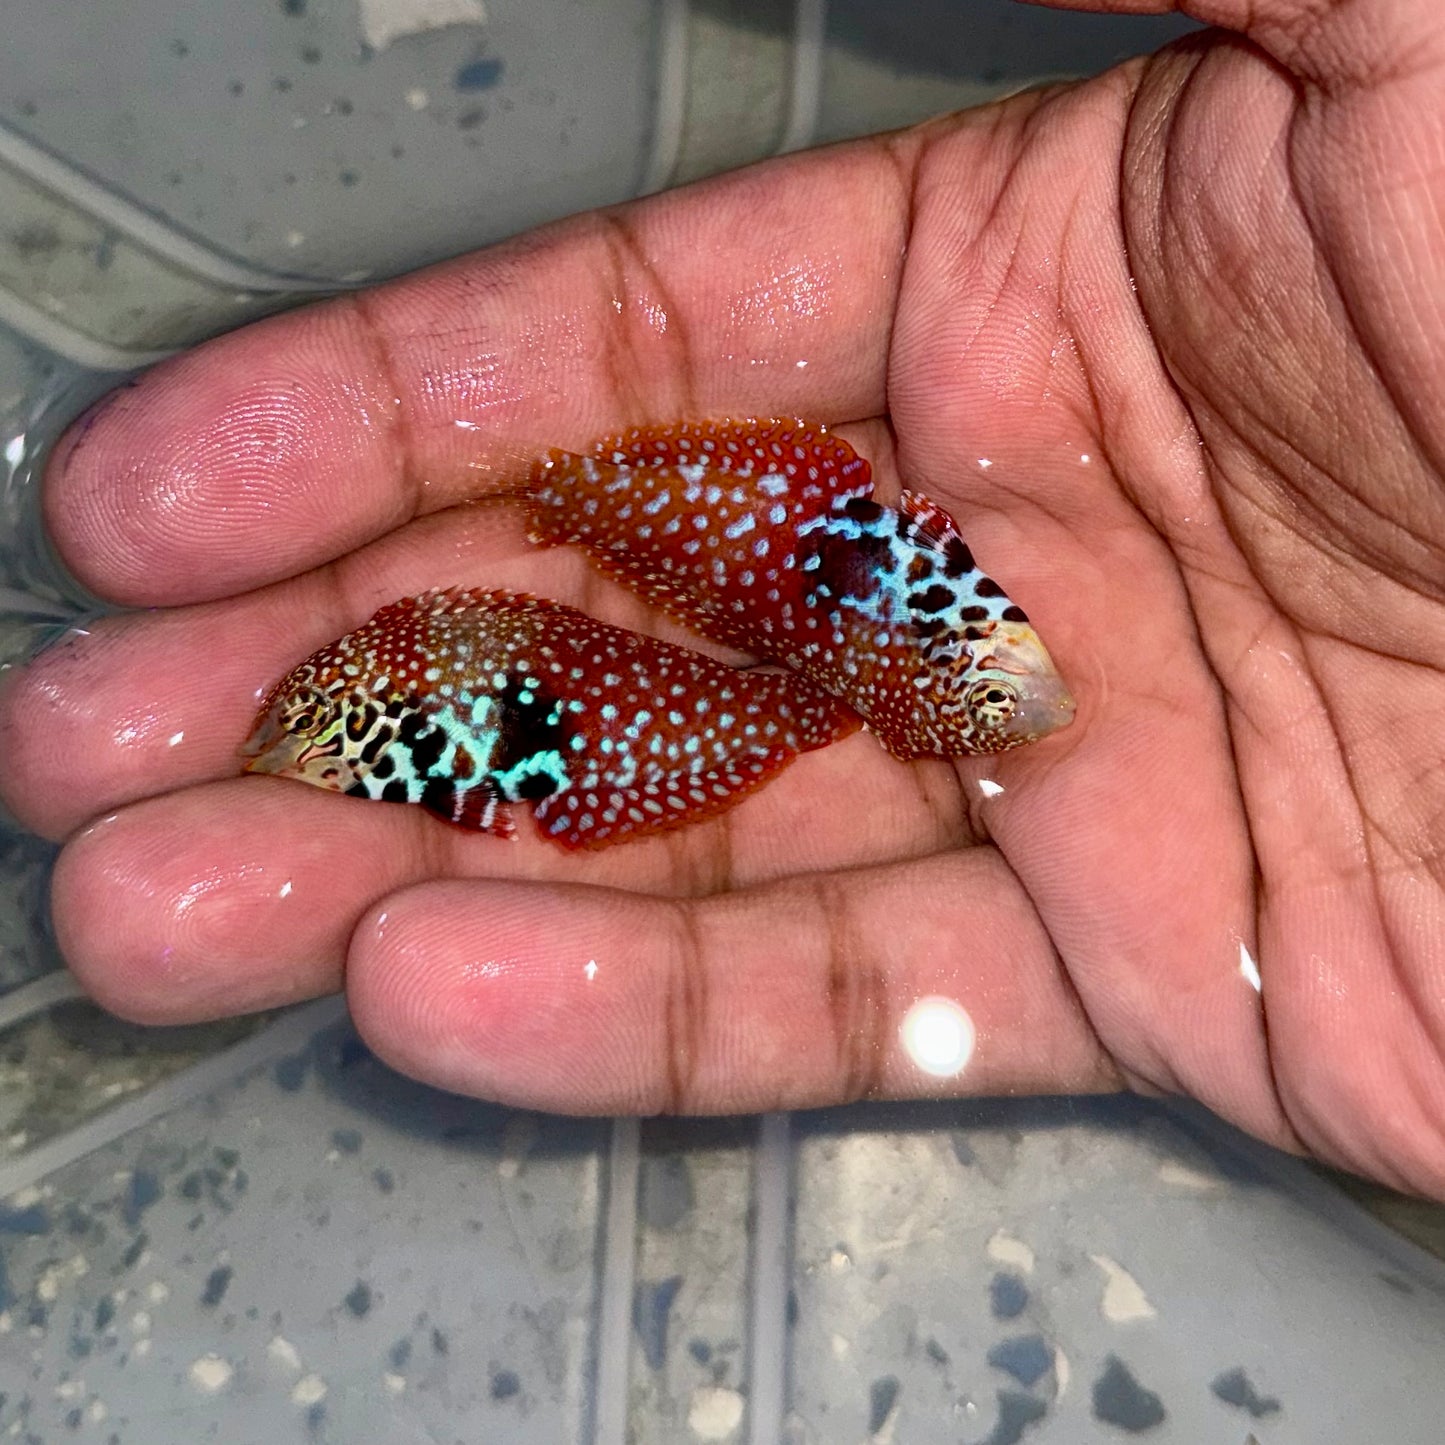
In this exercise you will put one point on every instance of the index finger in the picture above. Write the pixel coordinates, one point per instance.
(299, 438)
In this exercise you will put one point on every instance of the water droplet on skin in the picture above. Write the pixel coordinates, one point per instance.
(176, 738)
(984, 463)
(590, 969)
(989, 788)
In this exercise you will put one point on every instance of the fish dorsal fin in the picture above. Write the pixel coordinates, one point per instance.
(740, 447)
(448, 601)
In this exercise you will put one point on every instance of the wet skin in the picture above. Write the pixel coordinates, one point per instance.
(1216, 275)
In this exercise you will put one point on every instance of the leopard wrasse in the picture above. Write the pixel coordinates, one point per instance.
(470, 702)
(765, 535)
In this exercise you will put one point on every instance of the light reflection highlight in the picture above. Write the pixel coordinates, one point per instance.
(1249, 969)
(938, 1036)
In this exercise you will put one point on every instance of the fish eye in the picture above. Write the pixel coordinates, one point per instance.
(991, 703)
(304, 714)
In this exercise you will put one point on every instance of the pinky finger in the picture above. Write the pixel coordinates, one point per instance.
(882, 983)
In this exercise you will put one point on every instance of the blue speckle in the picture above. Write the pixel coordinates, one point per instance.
(346, 1141)
(290, 1073)
(479, 75)
(651, 1308)
(1235, 1388)
(1119, 1399)
(142, 1191)
(1026, 1357)
(1008, 1295)
(34, 1219)
(1016, 1412)
(217, 1283)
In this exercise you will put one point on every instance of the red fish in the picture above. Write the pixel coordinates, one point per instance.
(764, 535)
(469, 702)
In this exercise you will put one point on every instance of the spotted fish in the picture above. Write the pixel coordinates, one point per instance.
(764, 535)
(468, 702)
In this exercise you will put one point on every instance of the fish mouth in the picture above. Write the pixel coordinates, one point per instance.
(1045, 703)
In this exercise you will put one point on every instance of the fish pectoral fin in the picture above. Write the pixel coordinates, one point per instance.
(477, 807)
(596, 817)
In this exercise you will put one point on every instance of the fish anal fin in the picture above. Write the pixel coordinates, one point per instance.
(478, 807)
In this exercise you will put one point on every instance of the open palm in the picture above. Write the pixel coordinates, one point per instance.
(1168, 344)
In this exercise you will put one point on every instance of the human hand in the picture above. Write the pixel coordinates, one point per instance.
(1192, 316)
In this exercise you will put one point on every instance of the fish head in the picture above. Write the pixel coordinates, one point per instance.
(301, 732)
(998, 687)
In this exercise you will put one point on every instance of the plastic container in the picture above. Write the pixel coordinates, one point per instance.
(255, 1232)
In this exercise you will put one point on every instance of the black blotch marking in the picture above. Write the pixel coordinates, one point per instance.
(651, 1309)
(850, 566)
(933, 599)
(104, 1313)
(920, 569)
(400, 1354)
(217, 1283)
(439, 1343)
(1015, 614)
(383, 767)
(505, 1384)
(359, 722)
(427, 748)
(957, 559)
(882, 1396)
(74, 1417)
(384, 1180)
(358, 1300)
(360, 790)
(1119, 1399)
(394, 792)
(290, 1073)
(974, 614)
(1007, 1296)
(1234, 1388)
(929, 625)
(987, 587)
(135, 1249)
(700, 1350)
(536, 786)
(1026, 1357)
(527, 728)
(439, 797)
(1016, 1412)
(310, 54)
(860, 509)
(974, 634)
(375, 744)
(936, 1352)
(396, 707)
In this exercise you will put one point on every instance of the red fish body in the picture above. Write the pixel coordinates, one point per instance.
(764, 535)
(469, 702)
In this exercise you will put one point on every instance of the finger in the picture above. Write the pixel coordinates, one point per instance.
(222, 900)
(793, 995)
(241, 895)
(294, 440)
